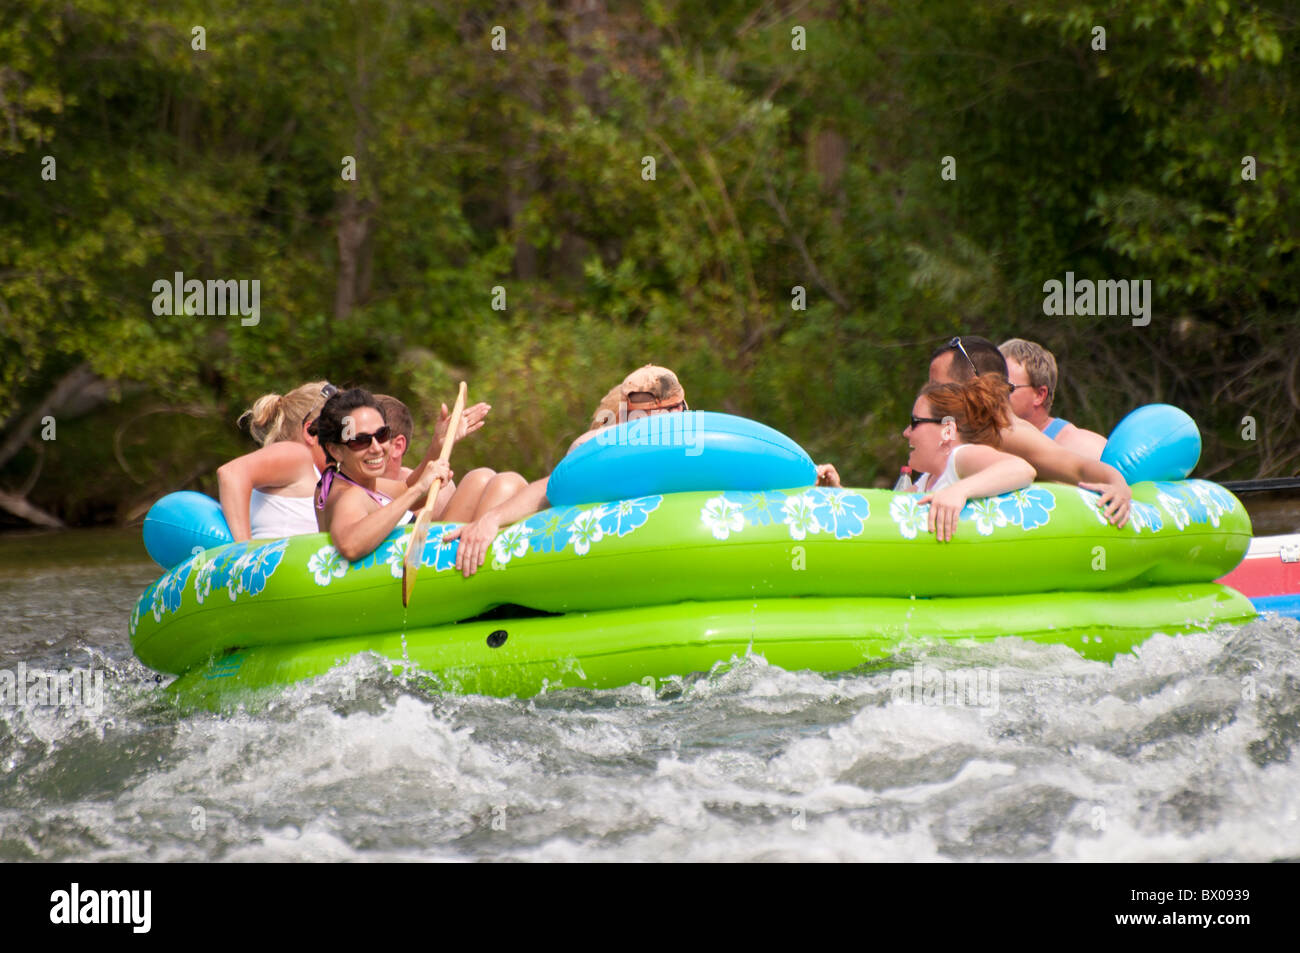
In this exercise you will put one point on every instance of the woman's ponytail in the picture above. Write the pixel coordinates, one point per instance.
(265, 418)
(274, 417)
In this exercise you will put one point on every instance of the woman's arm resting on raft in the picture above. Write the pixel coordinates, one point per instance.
(276, 464)
(355, 532)
(1054, 462)
(988, 472)
(476, 537)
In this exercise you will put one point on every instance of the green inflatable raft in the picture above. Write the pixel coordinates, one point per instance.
(617, 593)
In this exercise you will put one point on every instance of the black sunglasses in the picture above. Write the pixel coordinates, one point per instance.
(925, 420)
(362, 440)
(328, 391)
(956, 343)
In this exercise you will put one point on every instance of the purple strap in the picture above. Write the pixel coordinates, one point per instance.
(327, 482)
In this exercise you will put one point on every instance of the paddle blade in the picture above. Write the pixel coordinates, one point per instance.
(411, 562)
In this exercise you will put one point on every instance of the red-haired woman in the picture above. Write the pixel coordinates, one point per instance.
(953, 438)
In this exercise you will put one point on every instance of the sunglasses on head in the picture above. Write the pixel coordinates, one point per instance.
(645, 397)
(680, 405)
(956, 343)
(328, 391)
(362, 440)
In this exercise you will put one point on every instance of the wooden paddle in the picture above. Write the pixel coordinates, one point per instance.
(415, 548)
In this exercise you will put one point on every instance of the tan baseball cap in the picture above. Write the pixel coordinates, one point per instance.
(646, 389)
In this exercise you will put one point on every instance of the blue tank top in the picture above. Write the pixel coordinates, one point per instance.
(1056, 426)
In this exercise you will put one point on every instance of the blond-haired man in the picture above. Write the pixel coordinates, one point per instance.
(1031, 370)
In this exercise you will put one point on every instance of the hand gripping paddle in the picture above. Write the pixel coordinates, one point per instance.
(415, 548)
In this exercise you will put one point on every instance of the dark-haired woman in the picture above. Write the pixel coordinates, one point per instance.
(358, 506)
(953, 438)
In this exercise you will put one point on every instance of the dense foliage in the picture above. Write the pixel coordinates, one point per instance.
(525, 169)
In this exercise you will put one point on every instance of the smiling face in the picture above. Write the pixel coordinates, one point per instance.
(371, 460)
(930, 443)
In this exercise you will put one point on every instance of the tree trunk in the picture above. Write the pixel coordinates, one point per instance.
(81, 382)
(80, 389)
(18, 506)
(353, 229)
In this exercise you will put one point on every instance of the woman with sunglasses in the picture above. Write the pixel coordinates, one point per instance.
(358, 506)
(953, 438)
(267, 494)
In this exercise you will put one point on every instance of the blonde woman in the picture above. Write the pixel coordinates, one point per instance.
(267, 494)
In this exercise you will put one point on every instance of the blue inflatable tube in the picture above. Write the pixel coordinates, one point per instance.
(1154, 442)
(181, 523)
(679, 453)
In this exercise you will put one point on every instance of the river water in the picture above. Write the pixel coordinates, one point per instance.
(1185, 751)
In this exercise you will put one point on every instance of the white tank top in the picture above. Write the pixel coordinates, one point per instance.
(947, 478)
(274, 517)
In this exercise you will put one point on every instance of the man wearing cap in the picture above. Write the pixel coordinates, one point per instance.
(647, 390)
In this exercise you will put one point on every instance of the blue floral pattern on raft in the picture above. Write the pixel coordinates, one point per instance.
(164, 594)
(552, 531)
(328, 564)
(251, 571)
(215, 574)
(1028, 508)
(987, 513)
(1141, 516)
(135, 612)
(548, 532)
(437, 555)
(382, 552)
(1194, 501)
(170, 588)
(838, 512)
(910, 517)
(239, 568)
(842, 512)
(623, 516)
